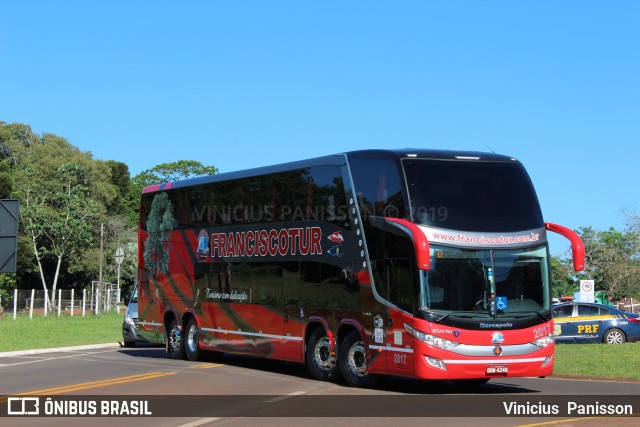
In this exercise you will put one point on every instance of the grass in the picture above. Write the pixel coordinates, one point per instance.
(598, 361)
(51, 331)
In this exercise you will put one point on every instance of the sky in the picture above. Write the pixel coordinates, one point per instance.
(241, 84)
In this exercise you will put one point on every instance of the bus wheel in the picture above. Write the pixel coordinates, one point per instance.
(614, 336)
(175, 346)
(321, 363)
(192, 340)
(353, 361)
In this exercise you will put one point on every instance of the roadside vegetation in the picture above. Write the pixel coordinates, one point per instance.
(71, 207)
(50, 332)
(620, 362)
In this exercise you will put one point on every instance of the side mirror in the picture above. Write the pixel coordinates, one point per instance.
(577, 247)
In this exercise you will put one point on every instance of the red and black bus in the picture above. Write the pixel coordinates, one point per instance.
(420, 263)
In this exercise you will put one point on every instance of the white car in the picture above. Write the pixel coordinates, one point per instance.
(130, 331)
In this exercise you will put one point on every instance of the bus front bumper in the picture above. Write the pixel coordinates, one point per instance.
(434, 363)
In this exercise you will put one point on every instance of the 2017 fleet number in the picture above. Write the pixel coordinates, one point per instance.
(542, 331)
(399, 359)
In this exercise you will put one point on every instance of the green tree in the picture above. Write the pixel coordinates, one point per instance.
(121, 179)
(182, 169)
(6, 181)
(64, 195)
(7, 281)
(563, 277)
(60, 222)
(612, 260)
(7, 284)
(165, 172)
(117, 233)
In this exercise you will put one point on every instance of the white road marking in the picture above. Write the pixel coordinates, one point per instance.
(55, 358)
(286, 396)
(199, 422)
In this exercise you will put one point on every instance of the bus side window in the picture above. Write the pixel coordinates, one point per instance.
(265, 282)
(394, 282)
(326, 195)
(379, 187)
(393, 265)
(325, 285)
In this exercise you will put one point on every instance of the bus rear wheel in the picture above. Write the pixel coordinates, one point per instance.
(175, 345)
(192, 340)
(353, 361)
(321, 361)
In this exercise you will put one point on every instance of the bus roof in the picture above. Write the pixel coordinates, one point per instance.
(335, 159)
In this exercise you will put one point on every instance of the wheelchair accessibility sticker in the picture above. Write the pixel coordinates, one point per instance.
(501, 303)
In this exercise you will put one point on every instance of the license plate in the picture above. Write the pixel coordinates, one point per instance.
(497, 369)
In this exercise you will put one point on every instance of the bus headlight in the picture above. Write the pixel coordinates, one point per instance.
(430, 339)
(436, 363)
(545, 341)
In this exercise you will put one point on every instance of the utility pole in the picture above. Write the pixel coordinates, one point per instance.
(119, 259)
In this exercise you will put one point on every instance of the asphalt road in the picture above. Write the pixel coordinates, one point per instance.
(238, 391)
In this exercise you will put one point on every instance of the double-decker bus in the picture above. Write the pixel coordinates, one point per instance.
(419, 263)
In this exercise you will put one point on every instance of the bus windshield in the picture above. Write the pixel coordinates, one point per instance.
(472, 195)
(461, 281)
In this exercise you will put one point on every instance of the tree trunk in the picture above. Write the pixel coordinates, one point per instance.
(44, 282)
(55, 279)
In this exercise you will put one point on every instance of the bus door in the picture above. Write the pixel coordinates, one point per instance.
(394, 283)
(399, 343)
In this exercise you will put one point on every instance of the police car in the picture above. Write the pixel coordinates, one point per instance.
(582, 322)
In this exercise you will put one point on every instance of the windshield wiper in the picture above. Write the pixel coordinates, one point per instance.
(463, 314)
(436, 317)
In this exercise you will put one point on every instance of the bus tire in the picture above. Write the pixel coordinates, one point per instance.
(321, 363)
(614, 336)
(175, 344)
(353, 361)
(192, 340)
